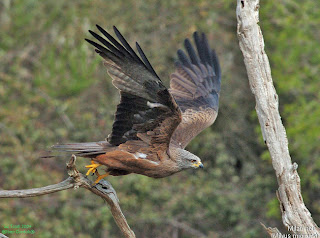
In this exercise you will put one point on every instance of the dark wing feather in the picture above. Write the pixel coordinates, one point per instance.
(146, 106)
(195, 85)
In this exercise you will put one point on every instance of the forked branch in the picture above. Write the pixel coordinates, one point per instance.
(76, 180)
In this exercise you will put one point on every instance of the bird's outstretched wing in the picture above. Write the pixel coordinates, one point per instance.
(147, 112)
(195, 85)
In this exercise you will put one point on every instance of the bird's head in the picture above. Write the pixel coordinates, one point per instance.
(186, 160)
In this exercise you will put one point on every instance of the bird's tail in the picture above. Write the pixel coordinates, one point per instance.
(87, 149)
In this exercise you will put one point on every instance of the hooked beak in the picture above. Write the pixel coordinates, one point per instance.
(198, 165)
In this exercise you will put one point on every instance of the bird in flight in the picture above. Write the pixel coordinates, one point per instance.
(153, 124)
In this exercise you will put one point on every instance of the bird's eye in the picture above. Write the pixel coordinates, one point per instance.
(193, 161)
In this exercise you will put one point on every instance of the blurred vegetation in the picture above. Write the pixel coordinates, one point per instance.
(54, 88)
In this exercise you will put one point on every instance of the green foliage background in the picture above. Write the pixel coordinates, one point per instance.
(54, 88)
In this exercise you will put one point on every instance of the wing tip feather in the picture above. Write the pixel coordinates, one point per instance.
(121, 50)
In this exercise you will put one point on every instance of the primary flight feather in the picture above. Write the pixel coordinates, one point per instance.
(153, 124)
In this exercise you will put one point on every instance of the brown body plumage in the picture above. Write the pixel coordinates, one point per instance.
(152, 124)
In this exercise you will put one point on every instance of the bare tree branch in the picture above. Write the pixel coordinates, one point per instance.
(66, 184)
(76, 180)
(295, 215)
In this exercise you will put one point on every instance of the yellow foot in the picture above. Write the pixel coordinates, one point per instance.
(100, 177)
(92, 167)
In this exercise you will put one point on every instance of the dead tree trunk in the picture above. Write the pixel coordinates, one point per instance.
(295, 215)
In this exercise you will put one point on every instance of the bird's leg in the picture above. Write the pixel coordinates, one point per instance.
(100, 176)
(92, 167)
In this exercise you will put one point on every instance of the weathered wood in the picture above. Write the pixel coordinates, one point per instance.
(295, 215)
(3, 236)
(103, 189)
(33, 192)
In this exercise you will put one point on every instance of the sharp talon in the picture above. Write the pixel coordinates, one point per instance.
(100, 177)
(92, 168)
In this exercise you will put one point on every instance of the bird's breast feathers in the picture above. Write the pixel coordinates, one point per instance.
(139, 163)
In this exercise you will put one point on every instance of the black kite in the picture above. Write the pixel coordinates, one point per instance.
(152, 124)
